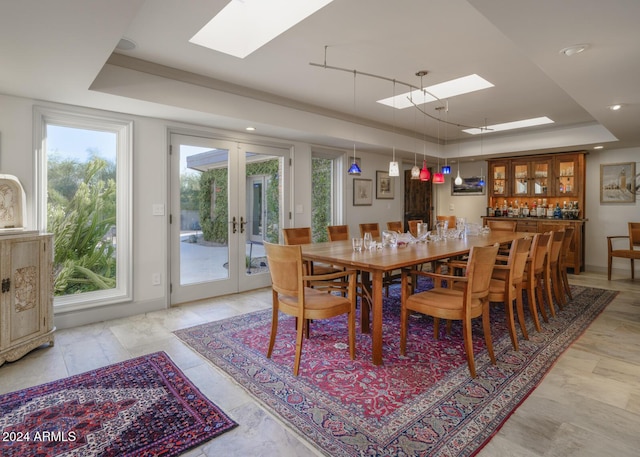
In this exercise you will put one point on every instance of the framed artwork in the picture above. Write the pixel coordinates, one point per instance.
(385, 187)
(469, 186)
(362, 192)
(618, 182)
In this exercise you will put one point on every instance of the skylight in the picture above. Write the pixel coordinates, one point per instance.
(447, 89)
(244, 26)
(510, 125)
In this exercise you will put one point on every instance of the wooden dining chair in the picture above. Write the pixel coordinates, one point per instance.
(451, 220)
(395, 226)
(506, 285)
(633, 253)
(307, 297)
(302, 235)
(534, 277)
(373, 228)
(564, 260)
(554, 268)
(452, 304)
(338, 232)
(413, 226)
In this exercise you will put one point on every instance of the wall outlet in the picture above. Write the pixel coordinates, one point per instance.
(155, 279)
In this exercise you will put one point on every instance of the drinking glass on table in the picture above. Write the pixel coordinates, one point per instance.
(357, 244)
(367, 241)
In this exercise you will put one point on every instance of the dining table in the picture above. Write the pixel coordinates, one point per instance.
(380, 260)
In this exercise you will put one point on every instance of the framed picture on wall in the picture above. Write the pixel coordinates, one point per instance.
(385, 187)
(362, 192)
(469, 186)
(618, 182)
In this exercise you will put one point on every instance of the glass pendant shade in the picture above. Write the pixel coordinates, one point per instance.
(481, 181)
(458, 179)
(424, 173)
(394, 169)
(446, 169)
(415, 172)
(354, 169)
(438, 178)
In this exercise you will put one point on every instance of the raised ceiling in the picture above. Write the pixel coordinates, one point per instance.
(64, 51)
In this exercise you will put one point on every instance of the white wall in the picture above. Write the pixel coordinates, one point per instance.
(150, 186)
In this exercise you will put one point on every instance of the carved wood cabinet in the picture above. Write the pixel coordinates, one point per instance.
(26, 302)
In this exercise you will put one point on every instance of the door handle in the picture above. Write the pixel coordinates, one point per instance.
(235, 224)
(242, 224)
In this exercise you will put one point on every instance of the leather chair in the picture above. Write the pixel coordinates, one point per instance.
(308, 297)
(633, 253)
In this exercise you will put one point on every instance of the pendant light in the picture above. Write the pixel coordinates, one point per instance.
(481, 181)
(394, 169)
(438, 177)
(415, 170)
(354, 169)
(458, 180)
(446, 169)
(425, 175)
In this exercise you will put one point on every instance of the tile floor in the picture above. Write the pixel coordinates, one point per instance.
(588, 404)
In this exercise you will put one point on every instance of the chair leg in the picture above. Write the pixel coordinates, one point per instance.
(539, 289)
(547, 288)
(557, 289)
(508, 307)
(468, 345)
(299, 340)
(486, 327)
(352, 334)
(565, 282)
(274, 326)
(520, 311)
(609, 261)
(436, 328)
(533, 308)
(633, 270)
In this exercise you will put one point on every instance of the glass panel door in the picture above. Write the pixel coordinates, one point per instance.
(226, 200)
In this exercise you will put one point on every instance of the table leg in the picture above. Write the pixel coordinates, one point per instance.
(365, 302)
(376, 332)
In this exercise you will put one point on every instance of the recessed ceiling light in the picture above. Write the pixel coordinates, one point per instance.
(573, 50)
(447, 89)
(598, 147)
(615, 107)
(243, 26)
(250, 129)
(125, 44)
(510, 125)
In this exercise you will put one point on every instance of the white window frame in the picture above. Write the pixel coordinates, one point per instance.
(123, 128)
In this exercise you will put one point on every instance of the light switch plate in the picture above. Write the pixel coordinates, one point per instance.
(157, 209)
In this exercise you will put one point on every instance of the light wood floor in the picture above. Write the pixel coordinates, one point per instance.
(588, 404)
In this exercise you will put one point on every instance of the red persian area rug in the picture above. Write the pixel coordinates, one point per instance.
(423, 404)
(143, 407)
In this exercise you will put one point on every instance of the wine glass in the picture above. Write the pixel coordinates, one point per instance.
(367, 241)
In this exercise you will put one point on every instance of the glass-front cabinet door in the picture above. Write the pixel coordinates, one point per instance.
(531, 178)
(566, 171)
(498, 184)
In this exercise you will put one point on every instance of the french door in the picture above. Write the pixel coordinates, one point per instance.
(227, 198)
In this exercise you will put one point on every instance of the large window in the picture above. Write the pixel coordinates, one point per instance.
(84, 199)
(325, 188)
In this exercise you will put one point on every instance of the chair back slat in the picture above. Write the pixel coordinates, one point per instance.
(479, 271)
(285, 267)
(634, 235)
(505, 226)
(297, 235)
(373, 227)
(338, 232)
(413, 226)
(395, 226)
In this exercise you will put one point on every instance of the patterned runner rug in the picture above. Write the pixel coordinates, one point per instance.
(142, 407)
(422, 404)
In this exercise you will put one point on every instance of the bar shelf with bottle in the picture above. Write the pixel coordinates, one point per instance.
(543, 192)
